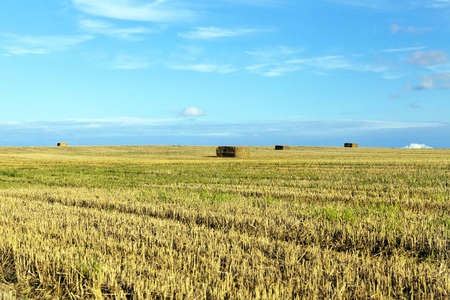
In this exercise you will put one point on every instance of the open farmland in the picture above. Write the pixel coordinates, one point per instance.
(172, 222)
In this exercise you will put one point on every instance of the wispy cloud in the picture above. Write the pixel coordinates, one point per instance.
(156, 11)
(377, 4)
(386, 5)
(274, 70)
(325, 62)
(395, 28)
(208, 33)
(418, 146)
(342, 62)
(200, 130)
(129, 62)
(406, 49)
(187, 53)
(84, 125)
(439, 3)
(107, 28)
(131, 125)
(264, 3)
(393, 76)
(428, 58)
(19, 45)
(192, 112)
(439, 81)
(268, 54)
(20, 50)
(204, 68)
(316, 64)
(415, 30)
(381, 125)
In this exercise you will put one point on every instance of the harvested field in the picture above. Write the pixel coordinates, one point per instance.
(173, 222)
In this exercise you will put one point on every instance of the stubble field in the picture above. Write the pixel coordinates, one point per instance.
(172, 222)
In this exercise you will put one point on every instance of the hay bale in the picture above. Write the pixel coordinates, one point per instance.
(282, 147)
(351, 145)
(61, 144)
(233, 151)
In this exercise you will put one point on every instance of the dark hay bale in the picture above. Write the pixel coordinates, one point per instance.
(351, 145)
(282, 147)
(233, 151)
(61, 144)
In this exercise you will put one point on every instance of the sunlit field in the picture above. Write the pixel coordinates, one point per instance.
(176, 222)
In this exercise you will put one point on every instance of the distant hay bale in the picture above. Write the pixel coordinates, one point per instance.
(351, 145)
(61, 144)
(282, 147)
(233, 151)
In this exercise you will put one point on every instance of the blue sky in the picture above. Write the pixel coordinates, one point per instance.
(250, 72)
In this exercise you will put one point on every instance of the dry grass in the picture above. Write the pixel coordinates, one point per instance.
(175, 223)
(7, 292)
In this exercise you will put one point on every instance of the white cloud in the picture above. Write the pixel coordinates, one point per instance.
(207, 33)
(378, 4)
(274, 53)
(379, 125)
(396, 5)
(407, 49)
(129, 62)
(156, 11)
(192, 112)
(410, 29)
(323, 128)
(428, 58)
(278, 70)
(395, 28)
(102, 27)
(132, 130)
(105, 126)
(204, 68)
(325, 62)
(439, 3)
(122, 121)
(187, 53)
(439, 81)
(19, 45)
(337, 62)
(17, 50)
(393, 76)
(418, 146)
(267, 3)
